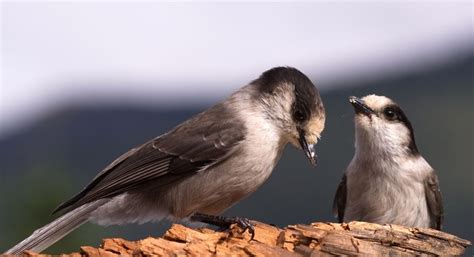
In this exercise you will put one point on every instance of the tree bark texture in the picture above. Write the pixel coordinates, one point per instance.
(316, 239)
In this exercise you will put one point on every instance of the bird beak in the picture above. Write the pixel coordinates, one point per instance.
(307, 148)
(360, 106)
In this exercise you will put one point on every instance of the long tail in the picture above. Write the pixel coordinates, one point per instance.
(47, 235)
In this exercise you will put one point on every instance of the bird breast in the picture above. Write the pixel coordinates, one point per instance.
(381, 196)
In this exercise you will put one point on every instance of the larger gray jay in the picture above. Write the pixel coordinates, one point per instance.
(201, 167)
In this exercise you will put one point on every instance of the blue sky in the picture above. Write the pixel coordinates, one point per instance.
(53, 53)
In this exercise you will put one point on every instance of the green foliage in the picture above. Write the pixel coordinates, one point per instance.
(30, 200)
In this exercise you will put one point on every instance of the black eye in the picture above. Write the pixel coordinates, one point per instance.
(299, 116)
(390, 114)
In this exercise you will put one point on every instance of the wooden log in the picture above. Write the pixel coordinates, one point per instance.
(316, 239)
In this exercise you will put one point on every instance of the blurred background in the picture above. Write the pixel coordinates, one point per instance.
(83, 82)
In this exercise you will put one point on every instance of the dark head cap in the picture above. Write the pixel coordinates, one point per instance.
(307, 110)
(307, 98)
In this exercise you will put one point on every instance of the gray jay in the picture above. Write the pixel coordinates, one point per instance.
(387, 181)
(201, 167)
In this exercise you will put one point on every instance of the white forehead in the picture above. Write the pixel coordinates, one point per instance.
(376, 102)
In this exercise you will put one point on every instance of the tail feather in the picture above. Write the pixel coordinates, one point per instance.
(49, 234)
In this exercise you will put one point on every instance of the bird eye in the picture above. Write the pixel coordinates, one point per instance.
(299, 116)
(390, 114)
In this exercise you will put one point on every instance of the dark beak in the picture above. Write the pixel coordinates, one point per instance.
(307, 148)
(360, 107)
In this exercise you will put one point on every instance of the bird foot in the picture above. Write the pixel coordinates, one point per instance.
(226, 222)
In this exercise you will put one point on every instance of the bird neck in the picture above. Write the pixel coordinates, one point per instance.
(377, 148)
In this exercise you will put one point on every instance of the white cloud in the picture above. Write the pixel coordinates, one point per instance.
(211, 48)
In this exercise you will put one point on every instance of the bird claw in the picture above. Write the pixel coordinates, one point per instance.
(226, 222)
(245, 224)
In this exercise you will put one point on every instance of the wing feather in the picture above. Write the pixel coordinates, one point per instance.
(434, 201)
(194, 145)
(339, 204)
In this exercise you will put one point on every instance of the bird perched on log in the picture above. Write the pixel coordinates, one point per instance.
(387, 181)
(204, 165)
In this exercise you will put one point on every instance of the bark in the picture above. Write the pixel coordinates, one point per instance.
(316, 239)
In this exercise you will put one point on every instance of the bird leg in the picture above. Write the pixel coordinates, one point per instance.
(221, 221)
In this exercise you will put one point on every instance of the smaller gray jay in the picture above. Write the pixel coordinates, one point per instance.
(387, 181)
(201, 167)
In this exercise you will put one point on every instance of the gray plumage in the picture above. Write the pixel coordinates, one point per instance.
(54, 231)
(205, 165)
(387, 181)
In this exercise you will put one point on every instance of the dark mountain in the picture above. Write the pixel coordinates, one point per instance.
(46, 163)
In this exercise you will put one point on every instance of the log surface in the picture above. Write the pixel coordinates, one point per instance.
(316, 239)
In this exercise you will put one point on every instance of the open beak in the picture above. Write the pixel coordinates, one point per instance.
(360, 106)
(307, 148)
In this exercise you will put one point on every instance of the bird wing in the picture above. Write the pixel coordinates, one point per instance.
(434, 200)
(339, 204)
(196, 144)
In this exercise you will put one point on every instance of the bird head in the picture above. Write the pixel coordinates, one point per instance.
(381, 125)
(292, 102)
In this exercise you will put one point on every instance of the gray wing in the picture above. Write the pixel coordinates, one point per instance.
(339, 204)
(200, 142)
(434, 201)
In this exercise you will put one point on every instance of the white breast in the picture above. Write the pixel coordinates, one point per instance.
(387, 193)
(213, 190)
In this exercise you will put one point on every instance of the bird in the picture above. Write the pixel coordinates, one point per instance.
(201, 167)
(388, 181)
